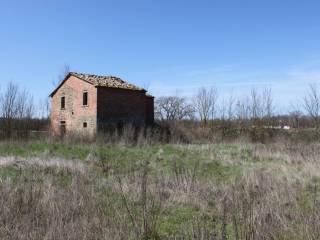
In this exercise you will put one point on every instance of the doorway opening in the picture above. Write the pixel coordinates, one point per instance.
(63, 128)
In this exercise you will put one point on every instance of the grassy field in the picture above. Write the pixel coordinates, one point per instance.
(224, 191)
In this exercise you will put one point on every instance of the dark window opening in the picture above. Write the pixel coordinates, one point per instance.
(85, 125)
(85, 99)
(62, 128)
(63, 102)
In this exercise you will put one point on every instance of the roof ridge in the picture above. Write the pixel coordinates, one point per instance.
(106, 81)
(101, 81)
(93, 75)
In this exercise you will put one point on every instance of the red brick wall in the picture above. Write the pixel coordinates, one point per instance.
(149, 109)
(105, 105)
(74, 114)
(121, 105)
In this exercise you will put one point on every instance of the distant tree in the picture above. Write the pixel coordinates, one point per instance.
(8, 103)
(261, 106)
(24, 105)
(255, 104)
(173, 108)
(231, 106)
(226, 116)
(9, 107)
(267, 103)
(17, 109)
(312, 103)
(44, 108)
(63, 73)
(295, 117)
(227, 109)
(205, 103)
(242, 109)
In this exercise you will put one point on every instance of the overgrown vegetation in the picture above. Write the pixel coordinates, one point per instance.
(215, 191)
(205, 170)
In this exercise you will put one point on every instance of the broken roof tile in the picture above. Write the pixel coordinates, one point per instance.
(106, 81)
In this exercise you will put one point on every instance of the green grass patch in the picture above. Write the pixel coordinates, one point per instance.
(9, 172)
(177, 220)
(168, 159)
(220, 172)
(61, 178)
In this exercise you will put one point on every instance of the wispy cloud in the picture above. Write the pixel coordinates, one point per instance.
(288, 83)
(188, 80)
(305, 73)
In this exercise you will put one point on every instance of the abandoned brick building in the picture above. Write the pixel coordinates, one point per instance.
(85, 103)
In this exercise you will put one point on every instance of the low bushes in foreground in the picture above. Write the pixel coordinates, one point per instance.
(223, 191)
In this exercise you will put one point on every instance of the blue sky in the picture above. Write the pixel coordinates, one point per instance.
(167, 46)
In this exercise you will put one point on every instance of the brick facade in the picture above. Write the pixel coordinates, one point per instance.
(149, 109)
(105, 106)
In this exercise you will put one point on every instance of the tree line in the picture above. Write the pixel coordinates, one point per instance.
(19, 113)
(257, 108)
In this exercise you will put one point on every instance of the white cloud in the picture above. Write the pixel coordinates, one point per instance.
(288, 84)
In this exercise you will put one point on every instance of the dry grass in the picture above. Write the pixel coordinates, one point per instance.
(239, 191)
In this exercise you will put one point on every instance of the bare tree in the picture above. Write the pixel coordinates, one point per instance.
(231, 106)
(256, 109)
(295, 115)
(63, 73)
(295, 118)
(24, 105)
(261, 105)
(44, 108)
(242, 109)
(173, 108)
(227, 108)
(226, 114)
(223, 109)
(205, 103)
(9, 107)
(267, 103)
(17, 109)
(312, 103)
